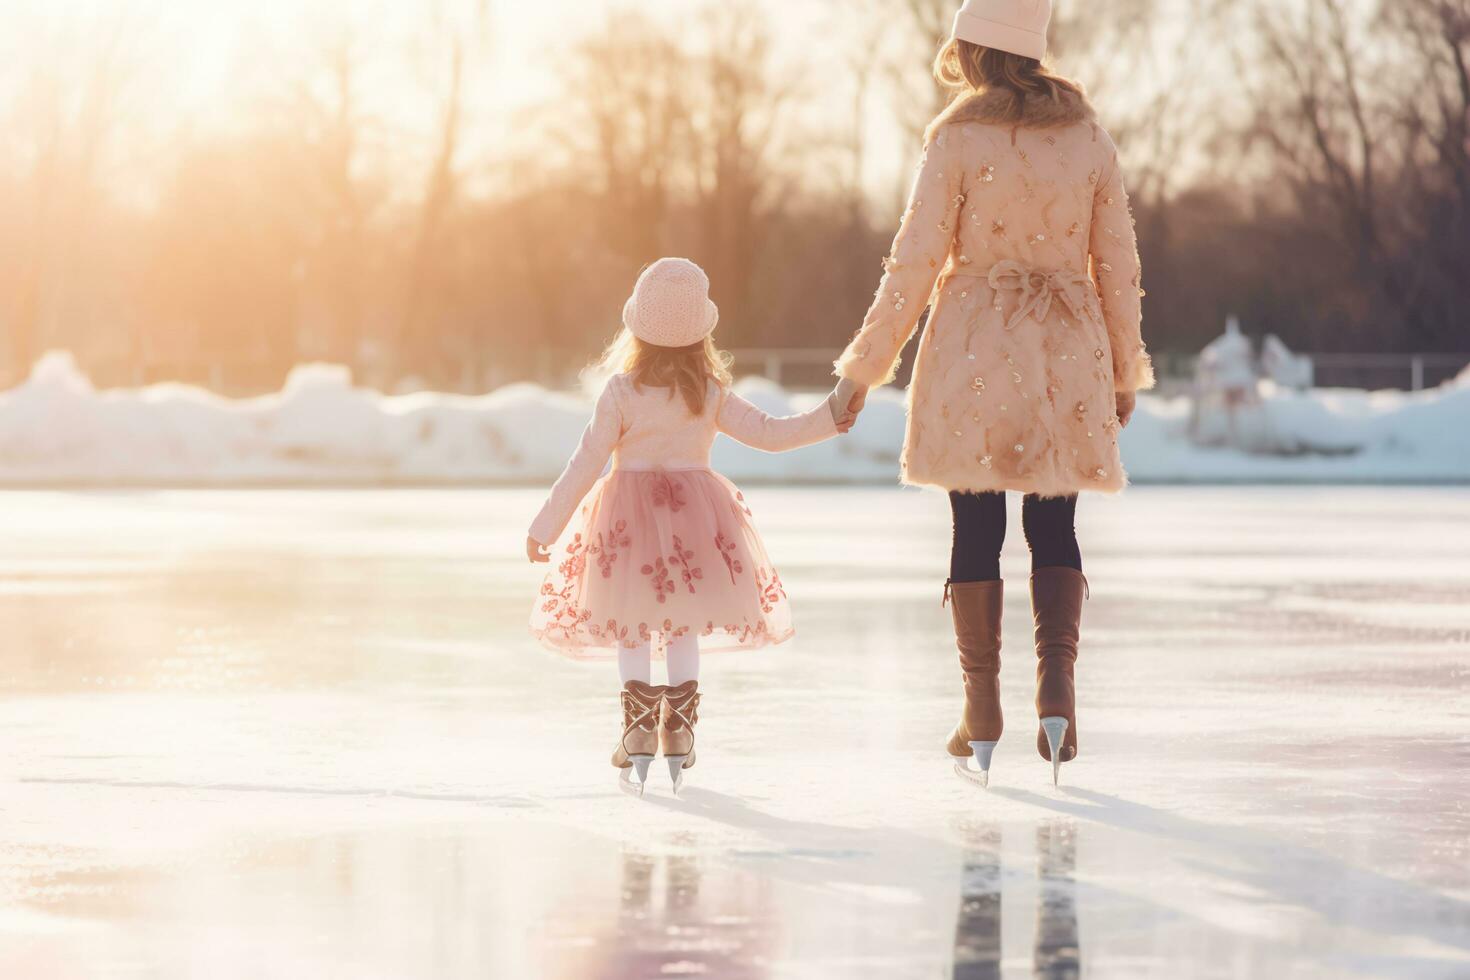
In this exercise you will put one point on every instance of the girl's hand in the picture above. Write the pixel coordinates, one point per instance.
(1126, 402)
(536, 551)
(841, 419)
(847, 401)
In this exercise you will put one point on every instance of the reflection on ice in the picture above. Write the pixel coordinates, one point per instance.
(978, 944)
(1057, 954)
(977, 933)
(674, 917)
(667, 927)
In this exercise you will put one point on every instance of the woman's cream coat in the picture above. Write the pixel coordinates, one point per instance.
(1021, 237)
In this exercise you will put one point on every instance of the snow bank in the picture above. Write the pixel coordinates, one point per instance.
(57, 428)
(1323, 435)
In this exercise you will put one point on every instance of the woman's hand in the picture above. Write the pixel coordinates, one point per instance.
(536, 551)
(1126, 402)
(848, 399)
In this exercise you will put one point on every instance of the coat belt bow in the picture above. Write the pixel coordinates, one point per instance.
(1038, 287)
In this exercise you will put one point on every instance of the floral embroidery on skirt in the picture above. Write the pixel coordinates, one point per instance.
(661, 551)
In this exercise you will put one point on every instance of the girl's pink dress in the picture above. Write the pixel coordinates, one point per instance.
(662, 543)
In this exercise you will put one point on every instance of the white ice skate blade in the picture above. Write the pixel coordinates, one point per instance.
(676, 770)
(1055, 728)
(625, 775)
(979, 774)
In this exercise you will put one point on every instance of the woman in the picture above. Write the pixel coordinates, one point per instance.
(1018, 227)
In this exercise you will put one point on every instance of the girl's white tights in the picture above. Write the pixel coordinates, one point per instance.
(682, 661)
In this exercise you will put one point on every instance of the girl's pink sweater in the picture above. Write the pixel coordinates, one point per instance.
(654, 429)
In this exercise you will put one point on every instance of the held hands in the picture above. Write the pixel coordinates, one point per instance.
(536, 551)
(840, 417)
(847, 401)
(1126, 402)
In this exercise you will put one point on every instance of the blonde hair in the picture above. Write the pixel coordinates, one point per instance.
(964, 67)
(687, 370)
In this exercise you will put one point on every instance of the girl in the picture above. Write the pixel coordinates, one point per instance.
(663, 545)
(1029, 362)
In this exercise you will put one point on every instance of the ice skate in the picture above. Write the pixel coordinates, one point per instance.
(639, 742)
(1053, 729)
(676, 729)
(976, 607)
(979, 773)
(1056, 605)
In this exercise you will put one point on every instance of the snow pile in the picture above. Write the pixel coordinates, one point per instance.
(1319, 435)
(57, 428)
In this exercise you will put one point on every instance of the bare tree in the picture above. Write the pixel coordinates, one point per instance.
(925, 25)
(320, 118)
(741, 108)
(631, 81)
(1432, 114)
(452, 44)
(71, 104)
(1372, 147)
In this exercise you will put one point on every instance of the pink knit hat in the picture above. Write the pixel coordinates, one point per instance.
(670, 305)
(1017, 26)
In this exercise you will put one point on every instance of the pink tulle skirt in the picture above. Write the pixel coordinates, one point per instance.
(660, 551)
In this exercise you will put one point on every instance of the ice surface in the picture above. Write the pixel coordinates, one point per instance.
(55, 428)
(303, 734)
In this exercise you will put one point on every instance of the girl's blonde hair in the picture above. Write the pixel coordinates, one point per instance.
(963, 67)
(687, 370)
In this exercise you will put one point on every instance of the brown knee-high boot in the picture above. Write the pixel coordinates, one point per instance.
(1056, 606)
(977, 607)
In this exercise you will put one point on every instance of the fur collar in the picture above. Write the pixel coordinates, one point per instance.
(998, 106)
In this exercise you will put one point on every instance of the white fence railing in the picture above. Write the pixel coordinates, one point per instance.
(813, 365)
(795, 367)
(1420, 370)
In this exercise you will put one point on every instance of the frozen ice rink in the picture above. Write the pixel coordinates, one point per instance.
(304, 734)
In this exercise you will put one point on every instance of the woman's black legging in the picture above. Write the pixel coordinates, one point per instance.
(980, 530)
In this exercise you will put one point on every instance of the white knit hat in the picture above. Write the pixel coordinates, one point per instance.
(1017, 26)
(670, 305)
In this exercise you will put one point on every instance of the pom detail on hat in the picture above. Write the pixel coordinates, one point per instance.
(670, 305)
